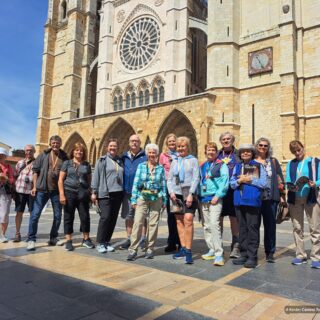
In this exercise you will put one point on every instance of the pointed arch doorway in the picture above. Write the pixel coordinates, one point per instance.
(74, 138)
(180, 125)
(120, 130)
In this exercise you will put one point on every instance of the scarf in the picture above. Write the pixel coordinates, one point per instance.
(179, 169)
(173, 154)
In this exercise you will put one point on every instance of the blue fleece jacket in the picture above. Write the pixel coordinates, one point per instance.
(130, 167)
(248, 194)
(214, 180)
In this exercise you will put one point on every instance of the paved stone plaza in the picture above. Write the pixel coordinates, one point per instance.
(51, 283)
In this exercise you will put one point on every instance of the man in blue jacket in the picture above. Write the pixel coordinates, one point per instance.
(131, 159)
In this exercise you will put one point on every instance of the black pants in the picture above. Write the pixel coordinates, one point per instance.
(249, 235)
(79, 201)
(109, 214)
(173, 237)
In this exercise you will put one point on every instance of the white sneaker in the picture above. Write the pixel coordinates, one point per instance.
(101, 248)
(209, 255)
(109, 247)
(61, 242)
(3, 239)
(31, 245)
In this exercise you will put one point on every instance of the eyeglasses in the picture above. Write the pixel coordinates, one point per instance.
(263, 145)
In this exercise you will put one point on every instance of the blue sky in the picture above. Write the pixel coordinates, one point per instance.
(21, 35)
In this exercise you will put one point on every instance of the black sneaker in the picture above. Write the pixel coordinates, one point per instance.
(88, 243)
(239, 261)
(55, 242)
(125, 245)
(132, 256)
(251, 264)
(68, 246)
(270, 258)
(170, 248)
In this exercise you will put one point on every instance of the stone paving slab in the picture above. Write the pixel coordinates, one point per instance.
(155, 289)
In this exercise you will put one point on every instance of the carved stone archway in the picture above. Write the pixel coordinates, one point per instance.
(180, 125)
(120, 130)
(74, 138)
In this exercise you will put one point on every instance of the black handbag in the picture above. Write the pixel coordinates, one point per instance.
(9, 189)
(283, 213)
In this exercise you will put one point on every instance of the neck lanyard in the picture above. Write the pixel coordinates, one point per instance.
(208, 167)
(227, 159)
(242, 167)
(54, 162)
(116, 165)
(151, 172)
(76, 167)
(299, 171)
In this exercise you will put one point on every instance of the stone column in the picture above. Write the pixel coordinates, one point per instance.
(178, 44)
(88, 56)
(105, 61)
(288, 76)
(223, 63)
(46, 86)
(73, 62)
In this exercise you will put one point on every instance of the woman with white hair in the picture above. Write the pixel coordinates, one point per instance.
(272, 194)
(6, 190)
(149, 196)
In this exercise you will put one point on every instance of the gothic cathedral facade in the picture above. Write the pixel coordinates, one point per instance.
(198, 68)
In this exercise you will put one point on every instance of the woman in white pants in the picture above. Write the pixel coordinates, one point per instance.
(214, 185)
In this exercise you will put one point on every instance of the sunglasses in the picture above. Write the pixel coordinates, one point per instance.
(263, 145)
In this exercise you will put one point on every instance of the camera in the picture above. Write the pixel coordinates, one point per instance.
(27, 180)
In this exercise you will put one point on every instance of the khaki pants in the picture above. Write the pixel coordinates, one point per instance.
(211, 226)
(313, 216)
(149, 210)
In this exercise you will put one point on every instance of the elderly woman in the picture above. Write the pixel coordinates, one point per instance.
(248, 181)
(149, 196)
(213, 187)
(74, 193)
(169, 153)
(272, 194)
(183, 180)
(228, 154)
(6, 190)
(302, 197)
(107, 193)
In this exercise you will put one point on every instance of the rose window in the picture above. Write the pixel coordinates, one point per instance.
(139, 43)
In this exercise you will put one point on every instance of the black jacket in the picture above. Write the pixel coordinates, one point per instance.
(41, 167)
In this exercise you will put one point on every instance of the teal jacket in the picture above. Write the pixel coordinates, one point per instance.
(214, 180)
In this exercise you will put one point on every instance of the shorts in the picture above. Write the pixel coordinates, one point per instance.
(192, 209)
(227, 205)
(23, 199)
(127, 212)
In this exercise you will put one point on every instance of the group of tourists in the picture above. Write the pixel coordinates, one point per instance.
(247, 185)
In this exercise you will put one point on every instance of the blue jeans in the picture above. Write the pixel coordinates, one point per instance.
(40, 201)
(269, 212)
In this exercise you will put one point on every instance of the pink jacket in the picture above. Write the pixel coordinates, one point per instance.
(7, 171)
(165, 160)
